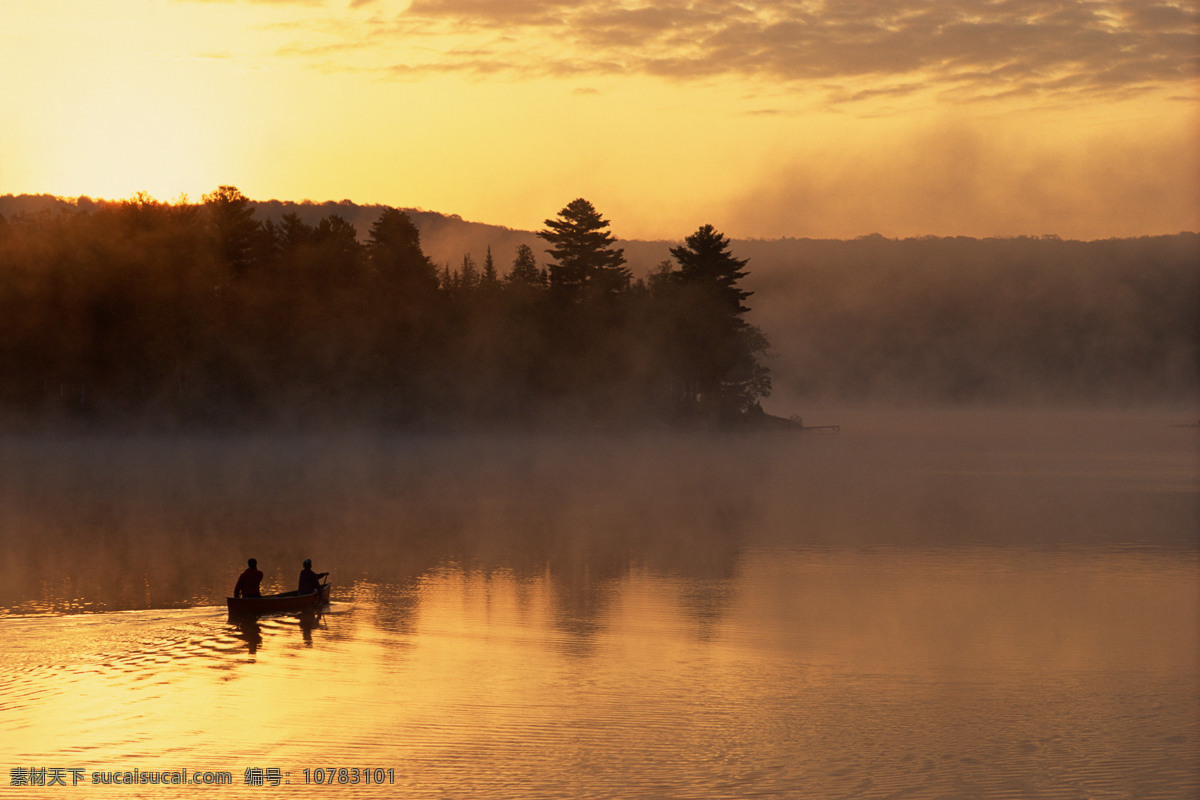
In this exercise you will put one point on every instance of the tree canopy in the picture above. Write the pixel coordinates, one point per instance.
(585, 260)
(395, 251)
(716, 352)
(231, 217)
(705, 262)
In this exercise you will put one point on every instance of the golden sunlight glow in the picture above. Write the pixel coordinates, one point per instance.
(502, 116)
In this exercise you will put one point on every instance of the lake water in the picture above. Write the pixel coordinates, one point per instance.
(969, 604)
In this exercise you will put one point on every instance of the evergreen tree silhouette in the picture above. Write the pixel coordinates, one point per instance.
(394, 246)
(490, 277)
(718, 349)
(586, 263)
(525, 270)
(234, 229)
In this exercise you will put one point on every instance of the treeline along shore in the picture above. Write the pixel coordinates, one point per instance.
(143, 313)
(229, 312)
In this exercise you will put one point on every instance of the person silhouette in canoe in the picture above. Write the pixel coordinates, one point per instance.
(310, 581)
(248, 582)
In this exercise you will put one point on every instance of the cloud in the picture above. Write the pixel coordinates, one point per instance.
(488, 13)
(983, 47)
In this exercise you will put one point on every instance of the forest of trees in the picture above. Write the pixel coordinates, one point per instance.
(143, 313)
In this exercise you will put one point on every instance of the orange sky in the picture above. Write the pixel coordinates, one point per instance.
(825, 118)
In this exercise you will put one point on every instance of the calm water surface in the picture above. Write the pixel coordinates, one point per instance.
(992, 605)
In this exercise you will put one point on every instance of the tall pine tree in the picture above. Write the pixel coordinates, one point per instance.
(394, 247)
(585, 261)
(717, 351)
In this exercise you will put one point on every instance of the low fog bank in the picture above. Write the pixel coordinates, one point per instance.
(99, 523)
(970, 321)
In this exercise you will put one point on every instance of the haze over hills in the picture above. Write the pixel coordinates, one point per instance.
(916, 320)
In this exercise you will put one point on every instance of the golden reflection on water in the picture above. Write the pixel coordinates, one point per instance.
(934, 673)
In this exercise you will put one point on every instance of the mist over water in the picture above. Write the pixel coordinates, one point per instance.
(119, 523)
(984, 603)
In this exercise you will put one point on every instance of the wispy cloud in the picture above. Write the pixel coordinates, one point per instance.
(950, 177)
(973, 48)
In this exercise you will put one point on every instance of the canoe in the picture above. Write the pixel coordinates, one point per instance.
(276, 603)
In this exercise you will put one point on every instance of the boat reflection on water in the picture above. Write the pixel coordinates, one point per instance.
(249, 627)
(249, 631)
(310, 620)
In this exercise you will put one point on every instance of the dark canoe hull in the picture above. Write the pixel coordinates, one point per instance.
(276, 603)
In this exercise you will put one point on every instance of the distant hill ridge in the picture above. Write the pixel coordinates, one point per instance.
(446, 238)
